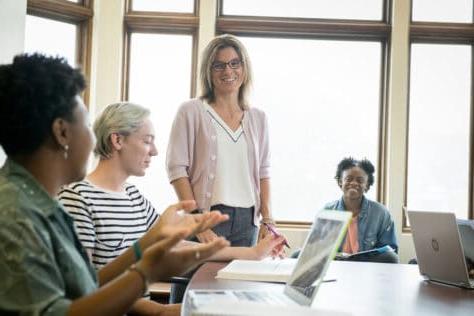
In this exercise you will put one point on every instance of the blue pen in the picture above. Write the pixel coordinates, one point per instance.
(275, 233)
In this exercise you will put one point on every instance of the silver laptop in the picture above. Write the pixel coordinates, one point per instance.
(439, 249)
(320, 247)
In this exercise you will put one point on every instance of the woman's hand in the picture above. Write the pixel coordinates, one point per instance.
(206, 236)
(170, 310)
(263, 232)
(177, 217)
(270, 246)
(162, 260)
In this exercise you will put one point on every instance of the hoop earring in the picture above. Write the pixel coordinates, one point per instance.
(66, 148)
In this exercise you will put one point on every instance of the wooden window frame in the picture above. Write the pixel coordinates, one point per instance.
(159, 23)
(442, 33)
(337, 29)
(79, 14)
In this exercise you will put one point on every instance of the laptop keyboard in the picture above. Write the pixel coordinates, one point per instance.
(259, 296)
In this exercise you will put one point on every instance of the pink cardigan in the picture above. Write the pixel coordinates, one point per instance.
(192, 150)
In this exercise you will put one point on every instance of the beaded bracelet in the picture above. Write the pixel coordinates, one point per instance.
(267, 220)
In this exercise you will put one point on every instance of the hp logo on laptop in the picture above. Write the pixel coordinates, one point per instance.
(434, 244)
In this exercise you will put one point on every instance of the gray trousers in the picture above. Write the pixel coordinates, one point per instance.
(239, 230)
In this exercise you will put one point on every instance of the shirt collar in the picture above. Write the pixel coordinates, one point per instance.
(364, 207)
(27, 184)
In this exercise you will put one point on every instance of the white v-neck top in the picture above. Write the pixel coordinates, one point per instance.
(232, 182)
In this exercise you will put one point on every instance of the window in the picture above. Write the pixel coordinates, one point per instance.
(159, 74)
(439, 155)
(38, 37)
(320, 81)
(322, 99)
(323, 9)
(442, 11)
(61, 28)
(438, 145)
(182, 6)
(160, 79)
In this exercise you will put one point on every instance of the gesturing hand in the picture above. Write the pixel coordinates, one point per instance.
(161, 261)
(206, 236)
(177, 217)
(270, 246)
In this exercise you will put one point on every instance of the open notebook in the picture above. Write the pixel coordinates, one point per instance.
(320, 246)
(266, 270)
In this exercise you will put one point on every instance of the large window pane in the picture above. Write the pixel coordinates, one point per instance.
(322, 100)
(442, 10)
(181, 6)
(160, 79)
(438, 153)
(324, 9)
(51, 37)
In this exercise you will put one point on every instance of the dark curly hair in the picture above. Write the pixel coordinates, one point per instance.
(350, 162)
(35, 90)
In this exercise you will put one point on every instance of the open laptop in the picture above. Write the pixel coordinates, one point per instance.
(439, 249)
(320, 247)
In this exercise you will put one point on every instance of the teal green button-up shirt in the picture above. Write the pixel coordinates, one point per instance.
(43, 266)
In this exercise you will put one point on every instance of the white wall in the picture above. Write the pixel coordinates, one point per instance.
(398, 115)
(207, 29)
(12, 35)
(107, 52)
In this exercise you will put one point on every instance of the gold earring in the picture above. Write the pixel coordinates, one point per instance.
(66, 148)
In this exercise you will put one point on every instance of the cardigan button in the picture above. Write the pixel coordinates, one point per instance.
(213, 157)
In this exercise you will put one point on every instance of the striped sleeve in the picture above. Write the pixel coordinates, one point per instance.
(78, 208)
(151, 214)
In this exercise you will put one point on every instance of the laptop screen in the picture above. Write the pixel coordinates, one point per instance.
(466, 231)
(321, 245)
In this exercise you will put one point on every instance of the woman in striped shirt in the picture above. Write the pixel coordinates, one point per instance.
(110, 214)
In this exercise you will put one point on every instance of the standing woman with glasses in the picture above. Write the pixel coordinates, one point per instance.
(218, 153)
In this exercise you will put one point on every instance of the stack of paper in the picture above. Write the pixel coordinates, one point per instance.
(267, 270)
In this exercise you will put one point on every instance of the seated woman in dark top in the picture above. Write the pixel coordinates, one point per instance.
(372, 225)
(45, 132)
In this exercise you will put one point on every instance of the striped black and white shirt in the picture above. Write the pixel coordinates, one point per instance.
(107, 222)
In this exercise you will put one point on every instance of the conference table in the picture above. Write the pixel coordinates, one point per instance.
(360, 289)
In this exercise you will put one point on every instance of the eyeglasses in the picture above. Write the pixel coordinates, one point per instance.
(233, 64)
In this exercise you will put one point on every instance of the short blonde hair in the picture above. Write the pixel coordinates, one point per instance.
(208, 58)
(123, 118)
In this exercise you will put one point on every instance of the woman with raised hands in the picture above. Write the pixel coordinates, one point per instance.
(45, 133)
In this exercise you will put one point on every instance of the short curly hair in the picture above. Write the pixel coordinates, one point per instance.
(34, 91)
(350, 162)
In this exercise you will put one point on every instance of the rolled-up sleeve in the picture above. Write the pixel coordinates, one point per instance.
(180, 146)
(31, 283)
(387, 234)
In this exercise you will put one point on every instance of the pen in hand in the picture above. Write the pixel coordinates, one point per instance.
(276, 234)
